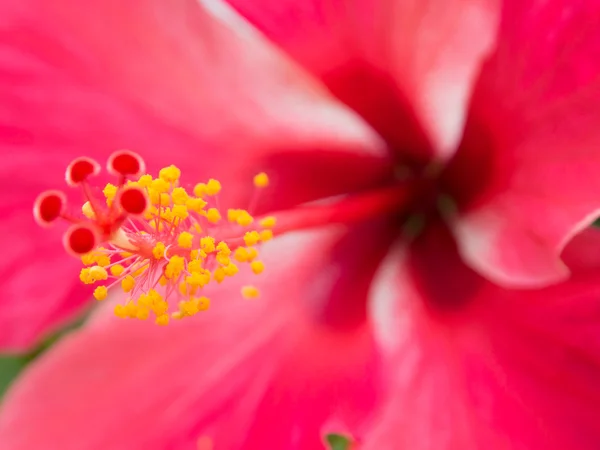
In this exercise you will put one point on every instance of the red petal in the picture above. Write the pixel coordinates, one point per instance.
(166, 84)
(423, 55)
(538, 103)
(506, 369)
(267, 378)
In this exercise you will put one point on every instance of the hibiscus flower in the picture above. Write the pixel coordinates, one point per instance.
(377, 313)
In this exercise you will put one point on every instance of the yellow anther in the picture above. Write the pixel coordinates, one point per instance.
(88, 259)
(268, 222)
(213, 187)
(98, 273)
(219, 274)
(88, 211)
(183, 288)
(207, 244)
(109, 191)
(213, 215)
(195, 204)
(261, 180)
(131, 309)
(223, 259)
(145, 181)
(241, 254)
(142, 314)
(198, 279)
(163, 320)
(180, 211)
(128, 283)
(232, 214)
(103, 260)
(195, 266)
(257, 267)
(174, 267)
(200, 190)
(231, 269)
(223, 248)
(202, 303)
(145, 301)
(164, 199)
(117, 270)
(251, 237)
(163, 281)
(85, 277)
(252, 254)
(100, 293)
(159, 250)
(179, 196)
(250, 292)
(185, 240)
(120, 311)
(266, 235)
(169, 174)
(159, 185)
(188, 308)
(244, 218)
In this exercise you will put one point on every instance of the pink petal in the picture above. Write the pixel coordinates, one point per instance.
(179, 82)
(246, 374)
(535, 110)
(506, 369)
(389, 59)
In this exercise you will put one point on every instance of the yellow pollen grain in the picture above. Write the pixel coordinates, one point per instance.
(169, 174)
(120, 311)
(109, 191)
(257, 267)
(117, 270)
(223, 248)
(195, 204)
(203, 303)
(241, 254)
(213, 215)
(207, 244)
(174, 267)
(230, 269)
(179, 196)
(252, 254)
(185, 240)
(164, 199)
(268, 222)
(232, 214)
(244, 218)
(88, 259)
(159, 185)
(145, 181)
(128, 283)
(251, 237)
(88, 211)
(200, 190)
(180, 211)
(213, 187)
(261, 180)
(103, 260)
(142, 314)
(159, 250)
(163, 320)
(100, 293)
(266, 235)
(195, 266)
(250, 292)
(98, 273)
(219, 275)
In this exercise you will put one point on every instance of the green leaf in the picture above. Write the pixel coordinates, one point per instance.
(10, 367)
(337, 442)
